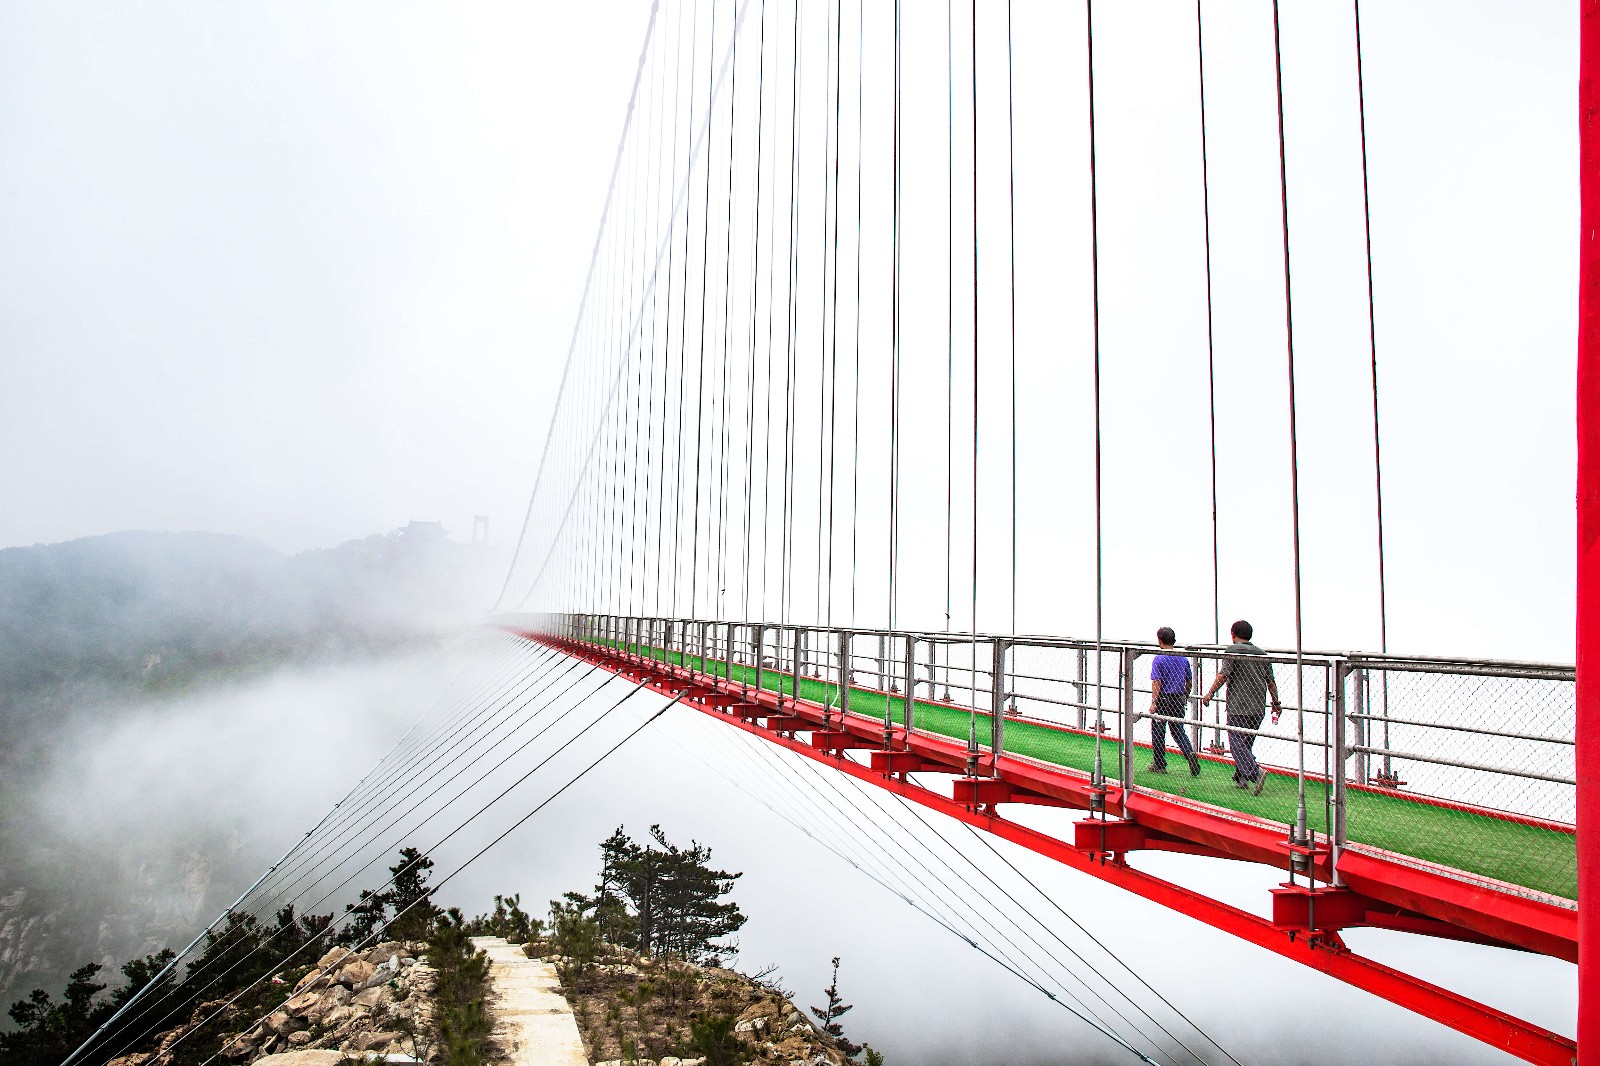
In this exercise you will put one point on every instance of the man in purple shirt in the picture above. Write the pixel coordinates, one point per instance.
(1170, 680)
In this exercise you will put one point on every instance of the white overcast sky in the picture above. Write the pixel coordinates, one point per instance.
(299, 271)
(305, 272)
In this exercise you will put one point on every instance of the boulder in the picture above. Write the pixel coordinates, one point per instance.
(380, 976)
(371, 1041)
(338, 1016)
(354, 973)
(756, 1019)
(312, 979)
(373, 998)
(300, 1039)
(235, 1049)
(302, 1005)
(336, 956)
(327, 1057)
(282, 1023)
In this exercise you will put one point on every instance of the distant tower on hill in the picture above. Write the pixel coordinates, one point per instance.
(480, 530)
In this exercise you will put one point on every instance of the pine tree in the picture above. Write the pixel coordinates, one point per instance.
(46, 1030)
(661, 899)
(509, 921)
(829, 1016)
(408, 897)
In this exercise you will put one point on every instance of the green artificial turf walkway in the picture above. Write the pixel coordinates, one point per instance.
(1544, 860)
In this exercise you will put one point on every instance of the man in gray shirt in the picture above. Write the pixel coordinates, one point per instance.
(1249, 681)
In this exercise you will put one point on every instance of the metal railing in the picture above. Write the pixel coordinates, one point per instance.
(1463, 765)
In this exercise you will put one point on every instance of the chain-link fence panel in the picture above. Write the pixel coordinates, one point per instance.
(1469, 770)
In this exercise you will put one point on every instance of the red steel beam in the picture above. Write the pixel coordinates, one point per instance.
(1588, 531)
(1328, 955)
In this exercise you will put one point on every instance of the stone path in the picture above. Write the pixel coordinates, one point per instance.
(532, 1020)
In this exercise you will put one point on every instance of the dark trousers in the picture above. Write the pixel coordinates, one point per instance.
(1170, 711)
(1243, 745)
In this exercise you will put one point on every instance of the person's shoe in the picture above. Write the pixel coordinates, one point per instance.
(1240, 783)
(1154, 769)
(1194, 766)
(1261, 781)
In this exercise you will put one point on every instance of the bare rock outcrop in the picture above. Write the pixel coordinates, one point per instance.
(636, 1009)
(373, 1002)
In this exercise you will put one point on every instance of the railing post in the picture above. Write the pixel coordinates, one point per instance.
(1362, 689)
(1082, 688)
(1193, 725)
(908, 712)
(844, 674)
(794, 667)
(760, 641)
(1125, 698)
(1340, 725)
(997, 704)
(883, 645)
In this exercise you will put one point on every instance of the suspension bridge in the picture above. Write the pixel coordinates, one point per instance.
(787, 485)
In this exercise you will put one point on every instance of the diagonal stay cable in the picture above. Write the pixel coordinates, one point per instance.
(602, 716)
(1104, 1030)
(1096, 940)
(825, 812)
(350, 877)
(155, 982)
(1053, 958)
(538, 671)
(910, 868)
(445, 711)
(972, 888)
(911, 809)
(505, 705)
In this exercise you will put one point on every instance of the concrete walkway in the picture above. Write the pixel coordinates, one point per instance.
(532, 1020)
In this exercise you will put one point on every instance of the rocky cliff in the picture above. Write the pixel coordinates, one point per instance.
(373, 1002)
(638, 1010)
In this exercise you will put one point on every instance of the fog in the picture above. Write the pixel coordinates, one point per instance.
(131, 826)
(264, 761)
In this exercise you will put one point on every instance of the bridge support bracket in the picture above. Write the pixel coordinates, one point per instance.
(903, 762)
(1304, 910)
(837, 740)
(987, 791)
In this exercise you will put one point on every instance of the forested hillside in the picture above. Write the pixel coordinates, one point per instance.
(107, 634)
